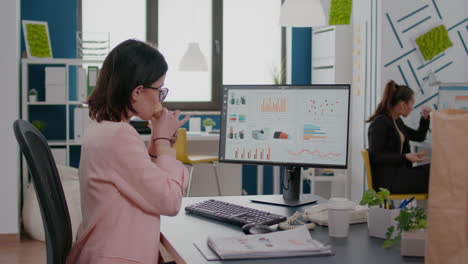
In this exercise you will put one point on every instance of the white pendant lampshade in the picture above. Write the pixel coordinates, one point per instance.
(302, 13)
(193, 59)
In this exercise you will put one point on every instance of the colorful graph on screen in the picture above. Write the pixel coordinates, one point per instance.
(253, 153)
(461, 102)
(317, 153)
(271, 104)
(313, 131)
(319, 107)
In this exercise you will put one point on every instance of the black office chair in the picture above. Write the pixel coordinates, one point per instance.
(54, 210)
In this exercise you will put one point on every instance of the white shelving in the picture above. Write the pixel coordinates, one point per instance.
(332, 55)
(68, 141)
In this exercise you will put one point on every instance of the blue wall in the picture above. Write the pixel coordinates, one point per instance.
(61, 15)
(301, 56)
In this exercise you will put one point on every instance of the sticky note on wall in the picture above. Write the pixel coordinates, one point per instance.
(434, 42)
(340, 12)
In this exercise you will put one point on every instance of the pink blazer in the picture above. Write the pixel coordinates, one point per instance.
(123, 194)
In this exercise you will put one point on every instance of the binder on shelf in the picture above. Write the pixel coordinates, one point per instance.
(81, 121)
(55, 84)
(93, 72)
(82, 84)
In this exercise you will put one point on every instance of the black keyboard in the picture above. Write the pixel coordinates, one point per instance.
(233, 213)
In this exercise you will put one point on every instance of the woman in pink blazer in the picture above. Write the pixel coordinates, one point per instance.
(125, 186)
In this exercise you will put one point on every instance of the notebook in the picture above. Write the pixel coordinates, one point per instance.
(290, 243)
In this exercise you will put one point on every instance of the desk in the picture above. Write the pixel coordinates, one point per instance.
(191, 136)
(358, 248)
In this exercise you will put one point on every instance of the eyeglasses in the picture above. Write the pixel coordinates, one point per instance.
(162, 92)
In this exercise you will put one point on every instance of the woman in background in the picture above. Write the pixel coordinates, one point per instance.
(389, 147)
(125, 186)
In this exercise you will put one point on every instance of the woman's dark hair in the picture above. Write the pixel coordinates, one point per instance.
(393, 94)
(129, 64)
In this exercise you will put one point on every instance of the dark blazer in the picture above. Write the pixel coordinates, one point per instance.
(390, 168)
(384, 140)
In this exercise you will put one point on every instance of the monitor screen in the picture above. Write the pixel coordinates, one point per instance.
(288, 125)
(454, 97)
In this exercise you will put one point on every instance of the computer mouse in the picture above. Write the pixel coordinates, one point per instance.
(256, 229)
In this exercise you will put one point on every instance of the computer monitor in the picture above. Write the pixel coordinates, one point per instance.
(292, 126)
(453, 96)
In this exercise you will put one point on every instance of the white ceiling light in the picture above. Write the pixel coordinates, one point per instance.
(302, 13)
(193, 59)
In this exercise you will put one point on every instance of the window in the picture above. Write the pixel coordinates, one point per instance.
(122, 19)
(181, 22)
(241, 41)
(252, 41)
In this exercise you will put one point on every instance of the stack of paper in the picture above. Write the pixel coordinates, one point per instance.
(295, 242)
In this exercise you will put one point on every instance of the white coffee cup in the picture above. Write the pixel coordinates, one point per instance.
(339, 211)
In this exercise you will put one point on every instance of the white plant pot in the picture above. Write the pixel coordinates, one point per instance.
(208, 129)
(413, 243)
(32, 98)
(380, 219)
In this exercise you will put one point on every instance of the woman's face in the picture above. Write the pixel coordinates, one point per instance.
(406, 107)
(145, 99)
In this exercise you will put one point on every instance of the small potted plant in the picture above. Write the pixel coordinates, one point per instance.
(410, 231)
(39, 124)
(32, 95)
(381, 212)
(208, 123)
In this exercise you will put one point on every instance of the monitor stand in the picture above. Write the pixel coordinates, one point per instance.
(291, 191)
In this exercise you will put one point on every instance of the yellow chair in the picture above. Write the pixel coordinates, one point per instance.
(417, 196)
(181, 154)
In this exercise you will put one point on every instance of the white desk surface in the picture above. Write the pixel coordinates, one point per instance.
(192, 136)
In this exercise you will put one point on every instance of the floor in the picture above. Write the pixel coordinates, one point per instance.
(13, 251)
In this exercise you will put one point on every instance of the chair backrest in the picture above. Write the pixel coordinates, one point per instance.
(54, 210)
(181, 146)
(365, 157)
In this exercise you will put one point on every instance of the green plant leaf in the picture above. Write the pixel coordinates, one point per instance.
(38, 40)
(389, 233)
(384, 192)
(40, 125)
(433, 42)
(340, 12)
(208, 122)
(408, 219)
(388, 243)
(370, 197)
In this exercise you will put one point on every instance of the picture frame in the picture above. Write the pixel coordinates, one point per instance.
(37, 39)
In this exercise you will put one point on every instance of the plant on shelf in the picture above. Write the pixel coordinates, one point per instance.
(32, 95)
(208, 123)
(372, 198)
(40, 125)
(409, 219)
(279, 73)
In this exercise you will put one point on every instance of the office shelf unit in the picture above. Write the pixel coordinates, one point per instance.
(35, 79)
(332, 55)
(331, 64)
